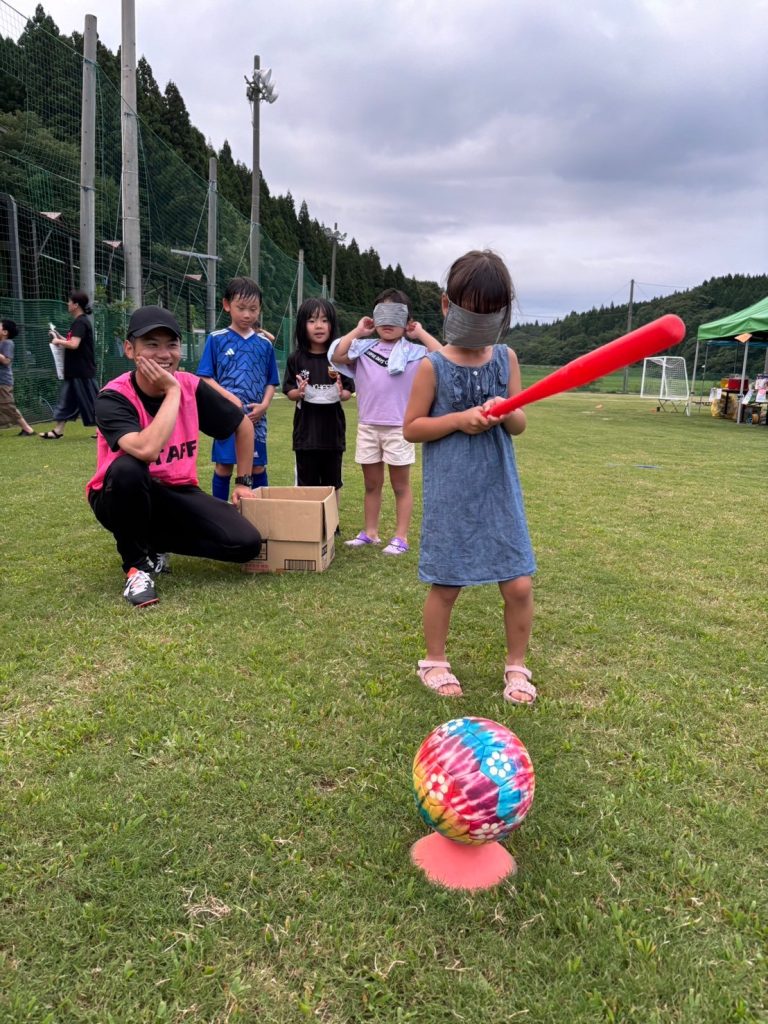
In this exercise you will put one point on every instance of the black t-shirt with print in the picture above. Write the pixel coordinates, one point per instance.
(316, 425)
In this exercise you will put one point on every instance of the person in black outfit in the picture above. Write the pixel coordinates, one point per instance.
(78, 391)
(319, 424)
(145, 490)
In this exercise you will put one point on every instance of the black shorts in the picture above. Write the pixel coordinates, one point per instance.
(319, 469)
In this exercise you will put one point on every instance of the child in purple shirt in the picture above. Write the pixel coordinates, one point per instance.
(383, 369)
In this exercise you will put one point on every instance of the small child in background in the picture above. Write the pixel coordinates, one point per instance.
(383, 369)
(473, 529)
(8, 411)
(319, 424)
(239, 361)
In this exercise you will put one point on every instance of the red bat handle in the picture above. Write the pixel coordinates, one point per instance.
(646, 341)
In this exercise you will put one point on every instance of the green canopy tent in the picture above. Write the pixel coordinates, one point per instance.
(747, 326)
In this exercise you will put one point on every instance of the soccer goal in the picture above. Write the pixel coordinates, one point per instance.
(665, 378)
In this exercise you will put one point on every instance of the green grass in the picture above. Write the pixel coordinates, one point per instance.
(207, 809)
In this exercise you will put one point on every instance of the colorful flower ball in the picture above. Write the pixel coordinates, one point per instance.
(473, 780)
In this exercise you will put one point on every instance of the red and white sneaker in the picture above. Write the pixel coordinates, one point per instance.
(139, 588)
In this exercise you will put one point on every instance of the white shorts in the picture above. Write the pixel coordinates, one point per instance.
(383, 444)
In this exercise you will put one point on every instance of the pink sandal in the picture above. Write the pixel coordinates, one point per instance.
(438, 680)
(518, 685)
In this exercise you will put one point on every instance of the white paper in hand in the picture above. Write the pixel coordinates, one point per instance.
(58, 359)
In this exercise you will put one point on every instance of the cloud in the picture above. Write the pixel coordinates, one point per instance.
(588, 143)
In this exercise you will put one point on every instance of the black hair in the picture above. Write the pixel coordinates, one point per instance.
(479, 281)
(394, 295)
(10, 327)
(80, 299)
(308, 309)
(242, 288)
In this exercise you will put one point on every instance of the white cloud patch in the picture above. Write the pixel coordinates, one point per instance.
(588, 143)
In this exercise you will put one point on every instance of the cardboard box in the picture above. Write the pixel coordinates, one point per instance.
(297, 525)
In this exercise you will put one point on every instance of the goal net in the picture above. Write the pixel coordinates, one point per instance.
(665, 378)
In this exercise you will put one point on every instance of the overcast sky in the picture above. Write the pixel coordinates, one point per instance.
(588, 143)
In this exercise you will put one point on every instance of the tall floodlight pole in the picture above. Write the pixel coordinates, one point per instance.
(130, 181)
(213, 218)
(88, 162)
(259, 88)
(335, 236)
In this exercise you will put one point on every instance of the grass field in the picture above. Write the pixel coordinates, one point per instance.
(207, 808)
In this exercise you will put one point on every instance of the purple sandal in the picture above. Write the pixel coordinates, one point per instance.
(397, 546)
(361, 540)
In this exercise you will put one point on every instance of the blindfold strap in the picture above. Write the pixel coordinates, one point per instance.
(390, 314)
(474, 330)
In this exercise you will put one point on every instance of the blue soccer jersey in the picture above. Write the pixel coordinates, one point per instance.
(244, 366)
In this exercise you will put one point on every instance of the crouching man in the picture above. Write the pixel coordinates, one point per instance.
(145, 490)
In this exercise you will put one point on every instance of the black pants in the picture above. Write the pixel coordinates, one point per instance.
(147, 517)
(77, 398)
(319, 468)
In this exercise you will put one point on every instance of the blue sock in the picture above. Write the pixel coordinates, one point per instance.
(220, 487)
(260, 480)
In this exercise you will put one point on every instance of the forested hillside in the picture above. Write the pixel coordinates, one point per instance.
(29, 127)
(557, 343)
(359, 273)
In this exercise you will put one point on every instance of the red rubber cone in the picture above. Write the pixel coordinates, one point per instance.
(460, 866)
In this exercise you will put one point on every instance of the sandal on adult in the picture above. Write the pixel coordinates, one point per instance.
(523, 685)
(397, 546)
(361, 540)
(439, 681)
(26, 433)
(52, 435)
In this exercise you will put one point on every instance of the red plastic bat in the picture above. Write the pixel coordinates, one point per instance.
(645, 341)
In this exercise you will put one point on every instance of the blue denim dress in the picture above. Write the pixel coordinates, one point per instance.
(473, 528)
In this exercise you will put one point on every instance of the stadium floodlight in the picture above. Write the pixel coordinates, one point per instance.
(259, 89)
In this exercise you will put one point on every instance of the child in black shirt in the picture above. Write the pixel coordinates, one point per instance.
(319, 425)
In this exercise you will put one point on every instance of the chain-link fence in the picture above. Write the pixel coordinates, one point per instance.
(40, 117)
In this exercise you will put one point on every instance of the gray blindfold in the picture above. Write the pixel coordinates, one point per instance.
(390, 314)
(474, 330)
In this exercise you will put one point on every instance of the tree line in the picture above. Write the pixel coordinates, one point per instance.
(31, 68)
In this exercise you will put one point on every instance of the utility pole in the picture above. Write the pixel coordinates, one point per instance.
(258, 89)
(130, 185)
(213, 220)
(300, 280)
(88, 162)
(629, 328)
(335, 237)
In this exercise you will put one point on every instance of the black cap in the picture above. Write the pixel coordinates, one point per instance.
(147, 318)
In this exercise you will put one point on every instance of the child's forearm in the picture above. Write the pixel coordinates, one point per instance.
(515, 423)
(432, 428)
(340, 352)
(419, 334)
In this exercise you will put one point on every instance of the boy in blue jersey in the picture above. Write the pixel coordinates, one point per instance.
(240, 362)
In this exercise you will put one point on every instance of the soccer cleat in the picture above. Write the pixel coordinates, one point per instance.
(139, 588)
